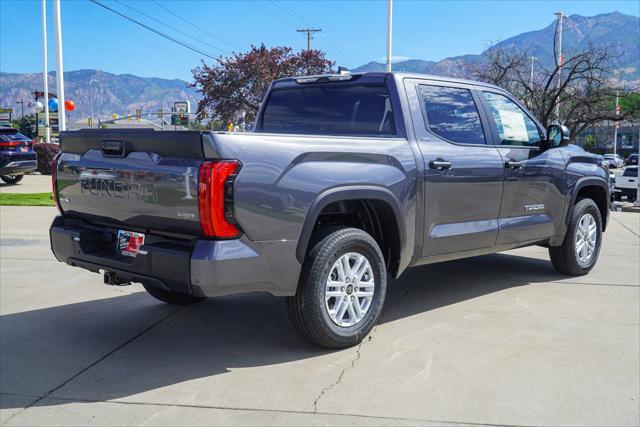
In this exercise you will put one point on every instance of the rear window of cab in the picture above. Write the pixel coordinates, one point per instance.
(332, 109)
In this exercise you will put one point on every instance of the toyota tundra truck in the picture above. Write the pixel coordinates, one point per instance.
(346, 180)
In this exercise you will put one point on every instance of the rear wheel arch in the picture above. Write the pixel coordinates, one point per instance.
(376, 211)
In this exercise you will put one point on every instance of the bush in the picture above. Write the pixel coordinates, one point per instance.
(46, 153)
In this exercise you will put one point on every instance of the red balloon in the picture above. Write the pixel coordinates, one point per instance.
(69, 105)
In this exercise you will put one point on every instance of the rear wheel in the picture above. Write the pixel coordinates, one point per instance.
(341, 291)
(11, 179)
(175, 298)
(581, 246)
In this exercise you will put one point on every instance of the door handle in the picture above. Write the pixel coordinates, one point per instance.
(439, 164)
(512, 164)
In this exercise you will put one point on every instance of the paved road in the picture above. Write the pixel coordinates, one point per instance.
(30, 184)
(500, 339)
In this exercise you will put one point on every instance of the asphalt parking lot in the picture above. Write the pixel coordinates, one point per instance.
(499, 339)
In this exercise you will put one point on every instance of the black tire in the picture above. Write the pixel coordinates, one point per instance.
(175, 298)
(565, 258)
(11, 179)
(307, 309)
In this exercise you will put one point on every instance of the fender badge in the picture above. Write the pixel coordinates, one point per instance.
(538, 207)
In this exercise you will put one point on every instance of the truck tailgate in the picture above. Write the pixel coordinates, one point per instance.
(137, 179)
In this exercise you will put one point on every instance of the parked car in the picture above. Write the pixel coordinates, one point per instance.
(627, 184)
(632, 160)
(614, 160)
(16, 155)
(359, 176)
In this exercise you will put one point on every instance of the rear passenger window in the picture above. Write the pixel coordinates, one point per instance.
(452, 114)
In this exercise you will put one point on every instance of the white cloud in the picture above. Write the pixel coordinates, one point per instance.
(395, 58)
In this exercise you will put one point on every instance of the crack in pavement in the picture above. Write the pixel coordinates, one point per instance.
(85, 369)
(623, 225)
(339, 380)
(284, 411)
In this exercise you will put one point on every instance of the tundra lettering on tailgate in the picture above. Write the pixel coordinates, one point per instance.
(119, 189)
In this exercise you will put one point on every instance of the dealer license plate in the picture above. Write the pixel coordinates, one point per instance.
(129, 242)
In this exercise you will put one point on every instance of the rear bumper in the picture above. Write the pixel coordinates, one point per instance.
(196, 267)
(18, 167)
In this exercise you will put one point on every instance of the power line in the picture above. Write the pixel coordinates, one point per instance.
(171, 27)
(181, 43)
(281, 18)
(196, 26)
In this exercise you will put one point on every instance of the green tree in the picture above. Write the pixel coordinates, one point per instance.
(589, 142)
(26, 125)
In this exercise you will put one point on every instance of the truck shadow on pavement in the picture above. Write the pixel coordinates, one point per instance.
(117, 347)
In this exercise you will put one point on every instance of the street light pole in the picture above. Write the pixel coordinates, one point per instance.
(560, 15)
(637, 202)
(533, 59)
(617, 123)
(62, 123)
(91, 98)
(45, 73)
(389, 33)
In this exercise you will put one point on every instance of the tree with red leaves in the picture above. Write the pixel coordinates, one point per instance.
(240, 81)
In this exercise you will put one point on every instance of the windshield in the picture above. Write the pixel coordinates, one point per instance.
(332, 109)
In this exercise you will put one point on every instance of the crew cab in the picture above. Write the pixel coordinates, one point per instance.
(16, 155)
(347, 179)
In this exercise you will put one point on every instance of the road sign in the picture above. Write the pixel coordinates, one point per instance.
(53, 123)
(182, 108)
(5, 116)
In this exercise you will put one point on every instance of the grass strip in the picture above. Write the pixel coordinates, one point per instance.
(26, 199)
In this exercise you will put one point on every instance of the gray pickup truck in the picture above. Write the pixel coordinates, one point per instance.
(347, 179)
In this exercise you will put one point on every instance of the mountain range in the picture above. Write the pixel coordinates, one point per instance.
(617, 32)
(124, 93)
(109, 93)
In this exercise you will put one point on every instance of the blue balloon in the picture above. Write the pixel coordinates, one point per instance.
(53, 104)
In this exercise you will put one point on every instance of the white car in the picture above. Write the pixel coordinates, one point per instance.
(614, 160)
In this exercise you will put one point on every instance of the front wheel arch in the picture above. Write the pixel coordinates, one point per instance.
(595, 189)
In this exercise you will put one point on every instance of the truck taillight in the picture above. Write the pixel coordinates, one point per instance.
(215, 198)
(54, 186)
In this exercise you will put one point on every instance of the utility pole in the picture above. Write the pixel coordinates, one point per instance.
(62, 123)
(615, 128)
(560, 15)
(47, 131)
(309, 31)
(21, 102)
(389, 33)
(533, 59)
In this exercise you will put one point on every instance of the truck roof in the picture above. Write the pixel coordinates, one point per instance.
(373, 74)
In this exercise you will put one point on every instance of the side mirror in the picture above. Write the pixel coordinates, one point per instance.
(557, 136)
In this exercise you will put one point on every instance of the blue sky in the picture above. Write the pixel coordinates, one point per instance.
(96, 38)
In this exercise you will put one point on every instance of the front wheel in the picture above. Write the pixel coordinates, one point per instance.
(11, 179)
(341, 291)
(175, 298)
(581, 246)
